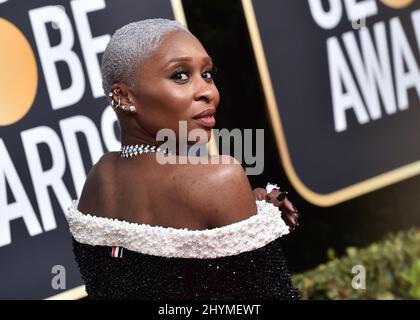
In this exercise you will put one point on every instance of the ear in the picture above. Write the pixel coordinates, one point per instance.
(122, 98)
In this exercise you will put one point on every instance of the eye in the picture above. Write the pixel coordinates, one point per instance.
(180, 75)
(209, 74)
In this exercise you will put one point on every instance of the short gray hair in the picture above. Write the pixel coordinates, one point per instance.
(130, 46)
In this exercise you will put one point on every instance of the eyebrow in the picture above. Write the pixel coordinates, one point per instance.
(180, 59)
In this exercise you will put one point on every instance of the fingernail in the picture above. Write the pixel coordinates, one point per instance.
(282, 195)
(296, 210)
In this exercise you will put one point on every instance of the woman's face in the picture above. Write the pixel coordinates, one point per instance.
(175, 84)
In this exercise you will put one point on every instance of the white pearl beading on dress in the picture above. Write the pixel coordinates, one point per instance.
(246, 235)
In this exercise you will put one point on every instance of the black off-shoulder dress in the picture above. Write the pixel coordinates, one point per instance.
(122, 260)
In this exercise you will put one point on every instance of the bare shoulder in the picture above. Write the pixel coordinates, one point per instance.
(99, 169)
(97, 176)
(220, 192)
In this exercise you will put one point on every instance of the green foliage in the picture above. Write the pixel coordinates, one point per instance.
(392, 271)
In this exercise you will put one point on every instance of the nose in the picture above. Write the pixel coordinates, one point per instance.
(205, 90)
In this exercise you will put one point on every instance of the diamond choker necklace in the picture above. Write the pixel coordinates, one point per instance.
(135, 150)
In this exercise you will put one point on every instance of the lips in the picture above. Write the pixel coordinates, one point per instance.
(205, 118)
(206, 113)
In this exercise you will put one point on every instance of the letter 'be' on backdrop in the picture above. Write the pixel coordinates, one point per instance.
(55, 123)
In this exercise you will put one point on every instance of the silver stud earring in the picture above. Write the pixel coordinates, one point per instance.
(132, 107)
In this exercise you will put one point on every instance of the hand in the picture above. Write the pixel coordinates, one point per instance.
(279, 199)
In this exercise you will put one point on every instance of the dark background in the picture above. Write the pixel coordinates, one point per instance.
(221, 27)
(296, 52)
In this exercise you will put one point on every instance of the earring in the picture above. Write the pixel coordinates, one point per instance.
(116, 92)
(132, 107)
(110, 95)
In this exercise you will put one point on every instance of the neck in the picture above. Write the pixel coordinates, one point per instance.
(132, 135)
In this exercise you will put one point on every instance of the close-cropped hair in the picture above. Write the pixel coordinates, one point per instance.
(130, 46)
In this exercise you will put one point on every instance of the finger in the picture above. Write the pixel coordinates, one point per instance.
(289, 222)
(287, 219)
(260, 190)
(291, 218)
(271, 197)
(260, 193)
(288, 205)
(295, 220)
(257, 195)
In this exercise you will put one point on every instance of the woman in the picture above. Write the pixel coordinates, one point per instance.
(143, 230)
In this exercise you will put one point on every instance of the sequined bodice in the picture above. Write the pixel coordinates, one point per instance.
(243, 260)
